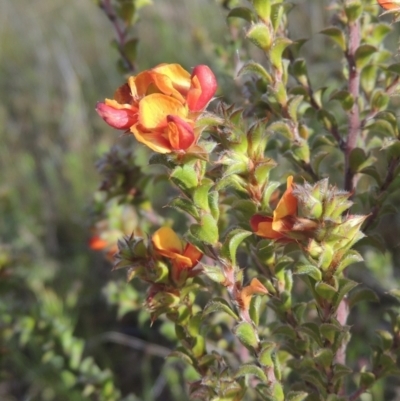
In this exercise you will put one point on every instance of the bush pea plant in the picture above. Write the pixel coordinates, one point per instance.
(253, 227)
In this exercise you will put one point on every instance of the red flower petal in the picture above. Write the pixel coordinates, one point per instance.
(122, 118)
(203, 88)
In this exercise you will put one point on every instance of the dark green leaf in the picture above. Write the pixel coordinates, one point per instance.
(186, 206)
(219, 305)
(362, 295)
(309, 270)
(232, 242)
(337, 35)
(243, 13)
(214, 273)
(345, 98)
(252, 67)
(363, 55)
(251, 369)
(206, 231)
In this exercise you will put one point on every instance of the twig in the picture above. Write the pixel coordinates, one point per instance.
(133, 342)
(356, 395)
(121, 32)
(354, 89)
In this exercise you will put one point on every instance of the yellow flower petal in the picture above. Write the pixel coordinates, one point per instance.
(287, 206)
(154, 140)
(154, 109)
(179, 76)
(167, 242)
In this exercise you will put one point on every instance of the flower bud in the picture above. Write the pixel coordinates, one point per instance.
(202, 89)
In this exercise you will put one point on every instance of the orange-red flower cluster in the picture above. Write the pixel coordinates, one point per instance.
(160, 106)
(283, 219)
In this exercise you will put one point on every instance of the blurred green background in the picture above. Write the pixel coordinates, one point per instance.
(56, 62)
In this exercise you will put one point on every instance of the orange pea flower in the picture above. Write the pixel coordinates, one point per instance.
(160, 106)
(283, 217)
(390, 4)
(183, 256)
(96, 243)
(244, 296)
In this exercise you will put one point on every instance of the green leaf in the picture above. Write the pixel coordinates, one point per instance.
(232, 181)
(254, 310)
(182, 356)
(184, 177)
(130, 49)
(296, 396)
(206, 231)
(309, 270)
(282, 128)
(311, 330)
(337, 35)
(251, 369)
(329, 331)
(200, 195)
(372, 172)
(359, 160)
(277, 11)
(243, 13)
(265, 355)
(293, 106)
(277, 392)
(345, 286)
(263, 169)
(378, 34)
(246, 207)
(260, 35)
(163, 159)
(285, 330)
(218, 304)
(367, 379)
(395, 293)
(214, 273)
(257, 69)
(213, 198)
(324, 357)
(185, 205)
(232, 242)
(353, 10)
(328, 120)
(325, 291)
(340, 371)
(247, 335)
(276, 51)
(263, 9)
(362, 295)
(126, 12)
(395, 68)
(386, 339)
(345, 98)
(363, 55)
(379, 100)
(368, 78)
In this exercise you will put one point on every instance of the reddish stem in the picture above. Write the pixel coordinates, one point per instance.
(354, 89)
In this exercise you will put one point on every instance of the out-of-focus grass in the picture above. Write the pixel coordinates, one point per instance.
(56, 62)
